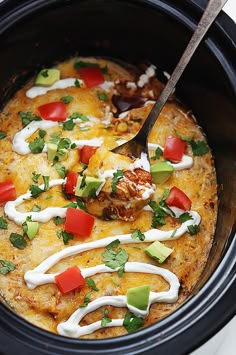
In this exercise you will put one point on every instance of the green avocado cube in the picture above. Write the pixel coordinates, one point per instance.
(32, 229)
(52, 151)
(47, 77)
(161, 172)
(138, 297)
(158, 251)
(85, 187)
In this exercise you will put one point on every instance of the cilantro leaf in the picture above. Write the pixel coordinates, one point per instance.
(28, 117)
(132, 323)
(44, 73)
(68, 125)
(159, 215)
(54, 137)
(118, 175)
(35, 190)
(36, 146)
(138, 234)
(158, 154)
(90, 282)
(185, 217)
(86, 299)
(3, 223)
(46, 183)
(81, 116)
(58, 220)
(42, 133)
(65, 236)
(18, 240)
(102, 96)
(6, 266)
(115, 258)
(61, 170)
(199, 147)
(105, 319)
(66, 99)
(35, 177)
(193, 229)
(36, 208)
(77, 83)
(2, 134)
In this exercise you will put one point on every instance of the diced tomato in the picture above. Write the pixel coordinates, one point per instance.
(92, 76)
(78, 222)
(70, 184)
(7, 191)
(174, 149)
(70, 280)
(178, 199)
(86, 152)
(53, 111)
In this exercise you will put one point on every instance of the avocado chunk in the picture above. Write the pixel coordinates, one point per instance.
(161, 172)
(62, 154)
(85, 187)
(158, 251)
(138, 297)
(47, 77)
(32, 229)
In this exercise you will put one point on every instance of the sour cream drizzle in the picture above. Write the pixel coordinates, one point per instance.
(20, 146)
(37, 276)
(62, 84)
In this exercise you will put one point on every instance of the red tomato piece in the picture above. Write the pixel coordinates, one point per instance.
(86, 152)
(92, 76)
(70, 280)
(70, 184)
(178, 199)
(78, 222)
(174, 149)
(7, 191)
(53, 111)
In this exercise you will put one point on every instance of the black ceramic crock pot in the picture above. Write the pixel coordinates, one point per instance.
(38, 33)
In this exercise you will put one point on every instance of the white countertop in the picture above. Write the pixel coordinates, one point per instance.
(224, 342)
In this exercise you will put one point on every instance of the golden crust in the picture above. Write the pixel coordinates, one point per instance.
(45, 306)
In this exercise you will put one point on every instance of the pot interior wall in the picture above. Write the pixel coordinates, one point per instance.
(134, 32)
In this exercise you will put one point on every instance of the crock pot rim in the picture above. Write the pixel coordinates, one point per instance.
(222, 270)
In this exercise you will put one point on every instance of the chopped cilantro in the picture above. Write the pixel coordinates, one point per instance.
(119, 174)
(115, 258)
(61, 170)
(73, 146)
(36, 208)
(36, 146)
(158, 154)
(199, 147)
(102, 96)
(173, 233)
(3, 223)
(77, 83)
(64, 143)
(86, 299)
(54, 137)
(159, 215)
(44, 73)
(193, 229)
(28, 117)
(2, 134)
(18, 240)
(105, 319)
(35, 177)
(35, 190)
(46, 182)
(65, 236)
(42, 133)
(138, 234)
(6, 267)
(58, 220)
(76, 115)
(90, 282)
(68, 125)
(132, 323)
(66, 99)
(185, 217)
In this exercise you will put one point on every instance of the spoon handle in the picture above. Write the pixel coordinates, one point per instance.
(209, 15)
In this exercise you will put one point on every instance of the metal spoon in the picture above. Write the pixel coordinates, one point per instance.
(138, 144)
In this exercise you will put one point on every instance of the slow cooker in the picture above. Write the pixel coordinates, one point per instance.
(36, 33)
